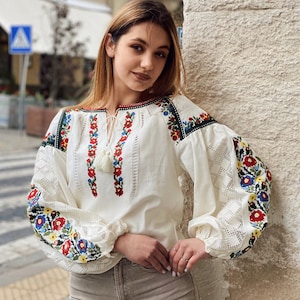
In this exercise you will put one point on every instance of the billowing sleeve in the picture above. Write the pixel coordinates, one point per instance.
(231, 190)
(77, 240)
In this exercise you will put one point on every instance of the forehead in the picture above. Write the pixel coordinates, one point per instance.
(148, 32)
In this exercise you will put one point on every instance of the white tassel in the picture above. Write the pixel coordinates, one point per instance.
(103, 162)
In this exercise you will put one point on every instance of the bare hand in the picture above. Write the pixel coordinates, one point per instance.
(143, 250)
(185, 254)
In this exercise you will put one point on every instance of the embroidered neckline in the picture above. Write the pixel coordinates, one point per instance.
(127, 106)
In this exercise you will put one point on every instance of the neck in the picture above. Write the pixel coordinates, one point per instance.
(117, 99)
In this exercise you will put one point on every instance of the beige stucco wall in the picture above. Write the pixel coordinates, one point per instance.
(243, 66)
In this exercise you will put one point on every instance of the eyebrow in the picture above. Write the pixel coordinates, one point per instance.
(145, 43)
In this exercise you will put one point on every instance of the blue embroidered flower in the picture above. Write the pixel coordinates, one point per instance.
(82, 245)
(40, 221)
(247, 180)
(264, 197)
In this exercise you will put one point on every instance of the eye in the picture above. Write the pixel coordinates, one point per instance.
(138, 48)
(161, 54)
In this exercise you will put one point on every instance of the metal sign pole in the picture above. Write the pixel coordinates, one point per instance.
(20, 43)
(24, 61)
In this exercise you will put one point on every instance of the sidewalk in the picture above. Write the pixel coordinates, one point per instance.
(13, 140)
(30, 276)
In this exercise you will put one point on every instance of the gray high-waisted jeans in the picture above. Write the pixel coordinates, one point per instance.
(129, 281)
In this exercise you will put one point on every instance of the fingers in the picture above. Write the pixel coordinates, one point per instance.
(185, 254)
(181, 261)
(160, 259)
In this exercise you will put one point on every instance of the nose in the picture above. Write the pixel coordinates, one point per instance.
(147, 62)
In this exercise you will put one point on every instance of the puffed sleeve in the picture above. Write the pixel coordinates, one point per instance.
(231, 190)
(77, 240)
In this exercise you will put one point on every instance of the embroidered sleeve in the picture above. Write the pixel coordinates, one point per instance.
(78, 240)
(231, 190)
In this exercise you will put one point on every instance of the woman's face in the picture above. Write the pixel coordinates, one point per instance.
(139, 57)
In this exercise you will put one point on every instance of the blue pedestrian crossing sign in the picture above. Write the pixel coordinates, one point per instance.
(20, 40)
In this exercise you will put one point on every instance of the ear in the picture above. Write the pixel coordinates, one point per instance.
(110, 46)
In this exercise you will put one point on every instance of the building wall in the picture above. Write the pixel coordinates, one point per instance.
(243, 59)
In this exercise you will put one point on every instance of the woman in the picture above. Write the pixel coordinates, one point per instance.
(106, 201)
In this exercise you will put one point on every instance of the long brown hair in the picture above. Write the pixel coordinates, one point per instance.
(133, 13)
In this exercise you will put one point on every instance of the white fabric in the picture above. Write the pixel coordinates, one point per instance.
(152, 201)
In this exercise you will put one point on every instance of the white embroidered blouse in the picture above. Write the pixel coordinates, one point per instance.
(92, 184)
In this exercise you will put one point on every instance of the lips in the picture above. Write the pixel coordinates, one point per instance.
(141, 76)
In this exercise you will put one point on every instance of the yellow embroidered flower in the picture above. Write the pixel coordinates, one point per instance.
(82, 259)
(73, 234)
(52, 236)
(252, 197)
(239, 164)
(47, 210)
(257, 233)
(259, 179)
(243, 144)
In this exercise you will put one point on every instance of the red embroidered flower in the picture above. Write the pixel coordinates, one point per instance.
(119, 191)
(58, 223)
(46, 137)
(91, 172)
(128, 123)
(64, 143)
(172, 119)
(94, 192)
(269, 175)
(249, 161)
(91, 152)
(66, 247)
(204, 116)
(175, 135)
(257, 215)
(118, 152)
(32, 194)
(118, 171)
(93, 141)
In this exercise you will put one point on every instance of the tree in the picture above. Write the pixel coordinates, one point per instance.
(58, 69)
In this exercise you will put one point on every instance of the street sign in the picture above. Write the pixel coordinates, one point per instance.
(20, 40)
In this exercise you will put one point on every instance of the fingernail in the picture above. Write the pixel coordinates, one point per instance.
(163, 271)
(169, 268)
(185, 270)
(173, 274)
(178, 274)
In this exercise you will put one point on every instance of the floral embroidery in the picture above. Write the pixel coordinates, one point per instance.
(180, 129)
(57, 232)
(195, 123)
(117, 158)
(49, 139)
(173, 119)
(92, 147)
(255, 178)
(64, 132)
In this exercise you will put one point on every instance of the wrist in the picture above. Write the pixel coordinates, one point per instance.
(119, 243)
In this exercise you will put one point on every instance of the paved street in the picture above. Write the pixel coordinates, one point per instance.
(25, 273)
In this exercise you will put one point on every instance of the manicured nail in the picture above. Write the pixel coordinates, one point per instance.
(169, 268)
(178, 274)
(173, 274)
(185, 270)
